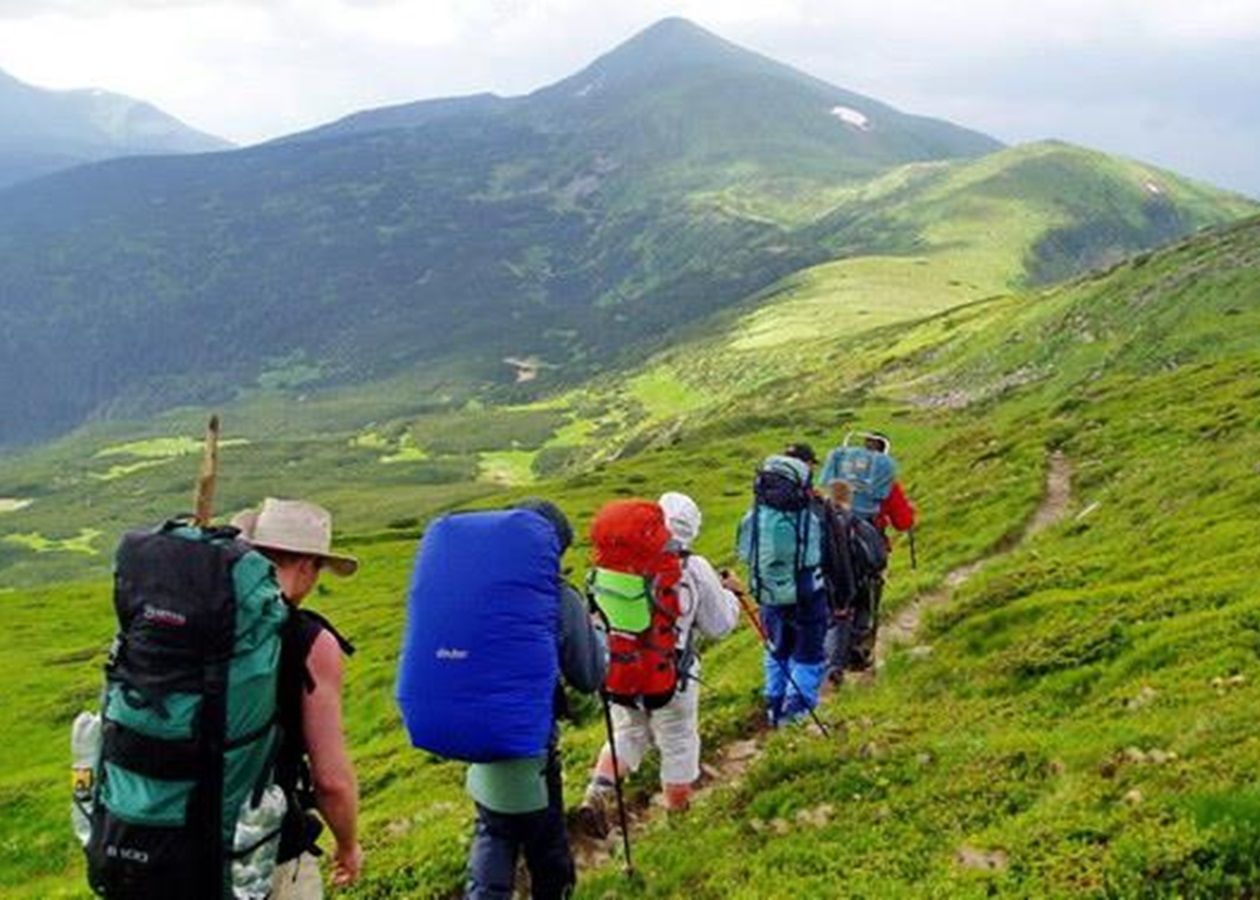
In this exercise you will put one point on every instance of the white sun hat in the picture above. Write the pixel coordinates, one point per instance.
(682, 517)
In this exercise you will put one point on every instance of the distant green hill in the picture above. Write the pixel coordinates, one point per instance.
(955, 233)
(42, 131)
(559, 225)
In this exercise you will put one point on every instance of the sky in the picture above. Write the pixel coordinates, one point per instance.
(1171, 82)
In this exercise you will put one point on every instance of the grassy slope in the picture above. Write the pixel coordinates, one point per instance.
(1107, 633)
(1085, 710)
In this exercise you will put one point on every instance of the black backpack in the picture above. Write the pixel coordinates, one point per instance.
(189, 730)
(857, 555)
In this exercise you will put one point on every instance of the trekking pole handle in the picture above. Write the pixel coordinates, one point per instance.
(746, 604)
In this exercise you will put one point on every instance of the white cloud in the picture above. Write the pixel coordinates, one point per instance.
(249, 69)
(1207, 20)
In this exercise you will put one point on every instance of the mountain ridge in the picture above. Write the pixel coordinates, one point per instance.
(519, 231)
(43, 131)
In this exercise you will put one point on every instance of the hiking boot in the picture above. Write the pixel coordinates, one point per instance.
(861, 661)
(774, 711)
(592, 815)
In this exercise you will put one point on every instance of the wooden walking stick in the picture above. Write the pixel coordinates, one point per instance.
(203, 500)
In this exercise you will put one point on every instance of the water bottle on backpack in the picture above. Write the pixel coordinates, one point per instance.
(255, 844)
(85, 751)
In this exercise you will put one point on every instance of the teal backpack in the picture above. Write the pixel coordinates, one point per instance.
(184, 800)
(781, 537)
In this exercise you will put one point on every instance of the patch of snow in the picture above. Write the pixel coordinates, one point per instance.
(1154, 188)
(852, 117)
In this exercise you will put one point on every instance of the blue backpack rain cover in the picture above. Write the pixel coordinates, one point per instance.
(480, 657)
(869, 474)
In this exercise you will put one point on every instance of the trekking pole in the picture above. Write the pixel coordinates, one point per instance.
(914, 557)
(783, 663)
(203, 499)
(621, 800)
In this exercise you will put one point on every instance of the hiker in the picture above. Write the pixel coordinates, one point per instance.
(864, 550)
(865, 478)
(804, 452)
(176, 793)
(782, 540)
(708, 605)
(870, 473)
(313, 766)
(843, 569)
(501, 568)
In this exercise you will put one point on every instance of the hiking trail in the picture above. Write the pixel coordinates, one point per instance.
(734, 758)
(1053, 507)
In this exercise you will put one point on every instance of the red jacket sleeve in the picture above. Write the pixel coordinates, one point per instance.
(896, 510)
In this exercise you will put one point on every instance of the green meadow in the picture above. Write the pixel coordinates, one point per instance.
(1076, 720)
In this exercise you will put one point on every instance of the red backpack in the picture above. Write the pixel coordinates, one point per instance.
(634, 583)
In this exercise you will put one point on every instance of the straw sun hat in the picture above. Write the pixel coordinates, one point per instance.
(294, 526)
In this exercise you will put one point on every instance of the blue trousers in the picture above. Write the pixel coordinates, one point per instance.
(499, 838)
(795, 659)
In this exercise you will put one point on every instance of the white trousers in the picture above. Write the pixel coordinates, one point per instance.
(674, 729)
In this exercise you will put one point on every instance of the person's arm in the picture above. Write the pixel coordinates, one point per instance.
(583, 650)
(717, 609)
(332, 775)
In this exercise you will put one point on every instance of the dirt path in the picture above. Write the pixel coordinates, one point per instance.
(1054, 506)
(734, 759)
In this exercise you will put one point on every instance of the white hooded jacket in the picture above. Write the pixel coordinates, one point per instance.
(704, 604)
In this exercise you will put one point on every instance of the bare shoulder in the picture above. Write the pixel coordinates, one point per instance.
(324, 661)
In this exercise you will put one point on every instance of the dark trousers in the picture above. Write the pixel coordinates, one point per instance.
(851, 638)
(499, 839)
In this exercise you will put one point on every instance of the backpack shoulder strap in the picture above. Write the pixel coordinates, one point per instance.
(309, 619)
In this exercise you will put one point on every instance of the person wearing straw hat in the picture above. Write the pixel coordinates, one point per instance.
(313, 765)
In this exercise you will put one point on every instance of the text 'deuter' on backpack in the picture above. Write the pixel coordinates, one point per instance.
(480, 656)
(634, 583)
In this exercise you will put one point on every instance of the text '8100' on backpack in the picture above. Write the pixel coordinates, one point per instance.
(781, 539)
(480, 658)
(634, 583)
(189, 735)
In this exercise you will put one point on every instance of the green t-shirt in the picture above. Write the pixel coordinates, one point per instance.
(510, 786)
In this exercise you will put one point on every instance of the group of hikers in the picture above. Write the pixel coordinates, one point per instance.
(219, 755)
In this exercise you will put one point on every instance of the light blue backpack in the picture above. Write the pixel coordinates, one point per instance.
(780, 538)
(870, 476)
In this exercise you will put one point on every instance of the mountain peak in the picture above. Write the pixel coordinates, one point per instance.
(676, 31)
(669, 44)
